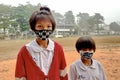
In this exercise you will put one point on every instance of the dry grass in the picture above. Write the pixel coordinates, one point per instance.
(108, 49)
(9, 48)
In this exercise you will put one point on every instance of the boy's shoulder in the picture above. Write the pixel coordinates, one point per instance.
(79, 63)
(76, 63)
(96, 62)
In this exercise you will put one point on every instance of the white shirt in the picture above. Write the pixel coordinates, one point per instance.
(79, 71)
(41, 56)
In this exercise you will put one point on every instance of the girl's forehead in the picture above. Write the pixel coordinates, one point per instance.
(43, 21)
(43, 18)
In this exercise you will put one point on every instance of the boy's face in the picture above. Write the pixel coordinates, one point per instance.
(86, 53)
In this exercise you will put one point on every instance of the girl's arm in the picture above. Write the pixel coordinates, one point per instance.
(20, 72)
(63, 74)
(63, 66)
(23, 78)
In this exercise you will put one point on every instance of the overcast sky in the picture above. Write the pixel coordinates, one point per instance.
(110, 9)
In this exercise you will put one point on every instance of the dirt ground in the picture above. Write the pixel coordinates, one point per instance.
(107, 53)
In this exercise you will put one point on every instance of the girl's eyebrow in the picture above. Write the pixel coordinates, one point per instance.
(38, 24)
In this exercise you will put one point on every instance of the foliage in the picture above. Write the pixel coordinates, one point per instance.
(15, 20)
(59, 18)
(88, 23)
(82, 21)
(69, 18)
(115, 26)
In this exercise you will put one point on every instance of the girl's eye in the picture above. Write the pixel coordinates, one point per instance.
(49, 27)
(39, 25)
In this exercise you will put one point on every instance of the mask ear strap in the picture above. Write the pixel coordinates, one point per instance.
(92, 51)
(79, 51)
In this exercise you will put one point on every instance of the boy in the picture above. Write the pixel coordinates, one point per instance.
(86, 68)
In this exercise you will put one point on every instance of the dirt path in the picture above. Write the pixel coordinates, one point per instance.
(7, 69)
(109, 59)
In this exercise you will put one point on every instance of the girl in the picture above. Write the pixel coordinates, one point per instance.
(86, 68)
(42, 58)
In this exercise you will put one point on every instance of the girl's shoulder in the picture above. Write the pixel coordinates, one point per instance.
(23, 50)
(58, 45)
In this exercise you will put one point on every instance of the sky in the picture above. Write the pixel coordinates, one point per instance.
(110, 9)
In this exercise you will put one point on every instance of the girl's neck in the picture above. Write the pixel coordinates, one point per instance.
(42, 43)
(87, 62)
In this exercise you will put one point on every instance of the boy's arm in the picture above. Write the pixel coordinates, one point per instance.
(103, 76)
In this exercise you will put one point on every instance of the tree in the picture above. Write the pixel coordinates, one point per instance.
(59, 18)
(4, 23)
(22, 14)
(5, 12)
(69, 18)
(115, 27)
(69, 21)
(82, 22)
(98, 19)
(91, 22)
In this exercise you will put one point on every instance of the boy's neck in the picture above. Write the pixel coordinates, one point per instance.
(87, 62)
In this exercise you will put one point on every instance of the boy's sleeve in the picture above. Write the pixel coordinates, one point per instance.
(63, 67)
(102, 73)
(20, 66)
(72, 73)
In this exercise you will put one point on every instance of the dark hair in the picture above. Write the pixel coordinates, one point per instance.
(85, 42)
(43, 13)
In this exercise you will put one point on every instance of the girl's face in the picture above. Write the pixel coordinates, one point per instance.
(43, 25)
(43, 29)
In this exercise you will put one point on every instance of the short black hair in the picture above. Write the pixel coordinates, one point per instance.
(43, 13)
(85, 42)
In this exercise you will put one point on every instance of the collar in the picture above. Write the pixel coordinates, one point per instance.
(84, 67)
(93, 64)
(50, 46)
(36, 48)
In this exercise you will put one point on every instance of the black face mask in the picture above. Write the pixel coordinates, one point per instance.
(43, 34)
(86, 55)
